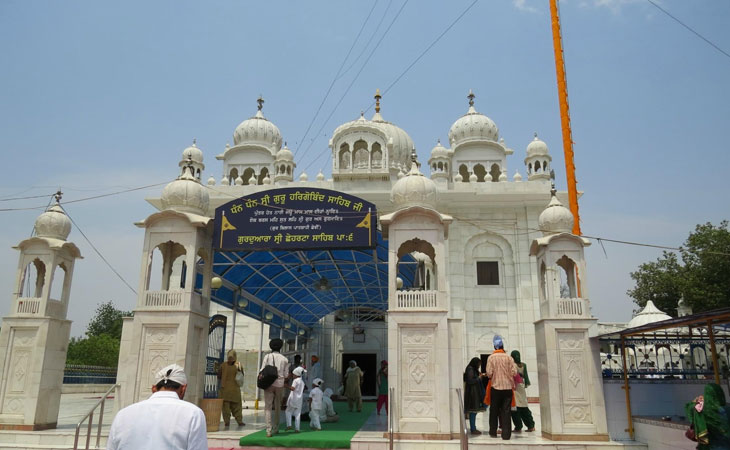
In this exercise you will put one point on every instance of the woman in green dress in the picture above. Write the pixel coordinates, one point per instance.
(353, 381)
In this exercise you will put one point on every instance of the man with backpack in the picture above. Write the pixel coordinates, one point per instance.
(273, 394)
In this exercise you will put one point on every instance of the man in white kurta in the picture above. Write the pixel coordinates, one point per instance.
(163, 421)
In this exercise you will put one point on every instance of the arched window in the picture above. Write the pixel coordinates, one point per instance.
(544, 166)
(543, 281)
(247, 174)
(360, 150)
(480, 172)
(233, 176)
(464, 172)
(441, 167)
(344, 156)
(567, 278)
(529, 169)
(262, 175)
(34, 277)
(537, 166)
(58, 283)
(423, 266)
(377, 157)
(495, 172)
(166, 267)
(288, 170)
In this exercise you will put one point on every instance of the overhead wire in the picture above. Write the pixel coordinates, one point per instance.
(335, 78)
(25, 198)
(98, 252)
(364, 64)
(689, 28)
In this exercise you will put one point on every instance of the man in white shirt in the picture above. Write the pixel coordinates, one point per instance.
(163, 421)
(274, 393)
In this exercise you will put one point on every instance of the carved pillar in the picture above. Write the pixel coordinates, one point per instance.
(34, 336)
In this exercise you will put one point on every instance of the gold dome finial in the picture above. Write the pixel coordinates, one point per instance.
(471, 97)
(260, 101)
(377, 100)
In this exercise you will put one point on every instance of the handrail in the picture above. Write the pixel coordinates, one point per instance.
(391, 394)
(90, 416)
(463, 437)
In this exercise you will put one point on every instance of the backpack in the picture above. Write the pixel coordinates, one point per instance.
(267, 376)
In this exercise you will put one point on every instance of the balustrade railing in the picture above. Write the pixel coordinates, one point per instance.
(163, 298)
(417, 299)
(29, 305)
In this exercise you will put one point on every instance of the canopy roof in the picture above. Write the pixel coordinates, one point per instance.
(301, 287)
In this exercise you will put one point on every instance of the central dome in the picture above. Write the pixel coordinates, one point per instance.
(54, 223)
(556, 218)
(473, 126)
(186, 194)
(258, 130)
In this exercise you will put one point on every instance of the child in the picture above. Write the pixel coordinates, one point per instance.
(294, 402)
(315, 404)
(328, 409)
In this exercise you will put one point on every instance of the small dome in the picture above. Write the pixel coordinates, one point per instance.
(303, 177)
(285, 154)
(193, 153)
(320, 176)
(414, 188)
(556, 218)
(517, 177)
(186, 194)
(537, 148)
(473, 126)
(439, 151)
(211, 181)
(649, 314)
(54, 223)
(258, 130)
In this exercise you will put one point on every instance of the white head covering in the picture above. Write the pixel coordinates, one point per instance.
(317, 382)
(173, 372)
(298, 371)
(328, 392)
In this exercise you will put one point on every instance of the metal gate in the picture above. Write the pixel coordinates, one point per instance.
(215, 355)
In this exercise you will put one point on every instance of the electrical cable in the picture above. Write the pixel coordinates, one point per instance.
(689, 28)
(364, 64)
(334, 79)
(25, 198)
(425, 51)
(98, 252)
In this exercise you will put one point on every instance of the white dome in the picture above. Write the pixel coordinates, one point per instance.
(53, 223)
(185, 194)
(193, 153)
(537, 148)
(439, 151)
(473, 126)
(556, 218)
(414, 188)
(285, 154)
(649, 314)
(258, 130)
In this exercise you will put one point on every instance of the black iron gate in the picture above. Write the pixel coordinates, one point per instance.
(215, 354)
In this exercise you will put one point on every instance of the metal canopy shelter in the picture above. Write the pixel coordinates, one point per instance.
(298, 288)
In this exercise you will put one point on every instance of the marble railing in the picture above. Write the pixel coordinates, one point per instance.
(563, 308)
(157, 299)
(416, 299)
(29, 305)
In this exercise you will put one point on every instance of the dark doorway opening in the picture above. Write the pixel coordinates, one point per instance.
(368, 364)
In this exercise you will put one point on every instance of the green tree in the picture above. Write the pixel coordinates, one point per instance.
(702, 276)
(100, 347)
(102, 350)
(108, 320)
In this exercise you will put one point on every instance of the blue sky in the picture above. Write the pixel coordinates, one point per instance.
(98, 97)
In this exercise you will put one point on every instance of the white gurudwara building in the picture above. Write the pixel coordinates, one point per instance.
(450, 259)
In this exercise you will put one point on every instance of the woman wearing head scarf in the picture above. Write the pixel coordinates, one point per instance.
(708, 415)
(472, 394)
(230, 390)
(382, 382)
(353, 380)
(522, 414)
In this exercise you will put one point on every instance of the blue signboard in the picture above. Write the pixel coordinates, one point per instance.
(295, 219)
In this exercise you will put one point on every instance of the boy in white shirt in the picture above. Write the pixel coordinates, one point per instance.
(316, 404)
(294, 402)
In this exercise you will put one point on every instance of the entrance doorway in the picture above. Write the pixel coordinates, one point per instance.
(368, 364)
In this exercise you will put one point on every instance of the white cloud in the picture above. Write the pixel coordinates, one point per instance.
(523, 6)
